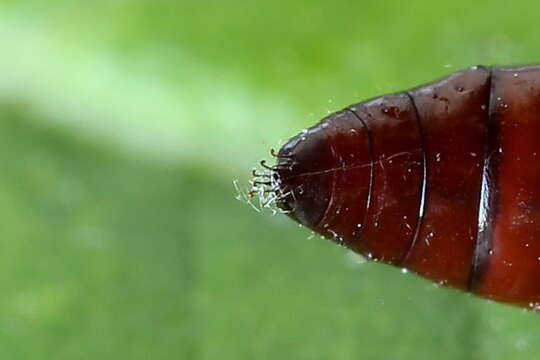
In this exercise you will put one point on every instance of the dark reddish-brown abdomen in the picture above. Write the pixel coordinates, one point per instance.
(443, 180)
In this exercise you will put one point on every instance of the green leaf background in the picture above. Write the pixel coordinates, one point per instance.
(124, 123)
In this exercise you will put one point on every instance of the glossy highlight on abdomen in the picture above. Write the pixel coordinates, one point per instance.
(442, 179)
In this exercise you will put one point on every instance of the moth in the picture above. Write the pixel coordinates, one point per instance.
(442, 180)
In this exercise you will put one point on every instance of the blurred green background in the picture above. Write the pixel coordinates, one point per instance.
(122, 126)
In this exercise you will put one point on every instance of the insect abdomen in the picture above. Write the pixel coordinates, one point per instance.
(443, 180)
